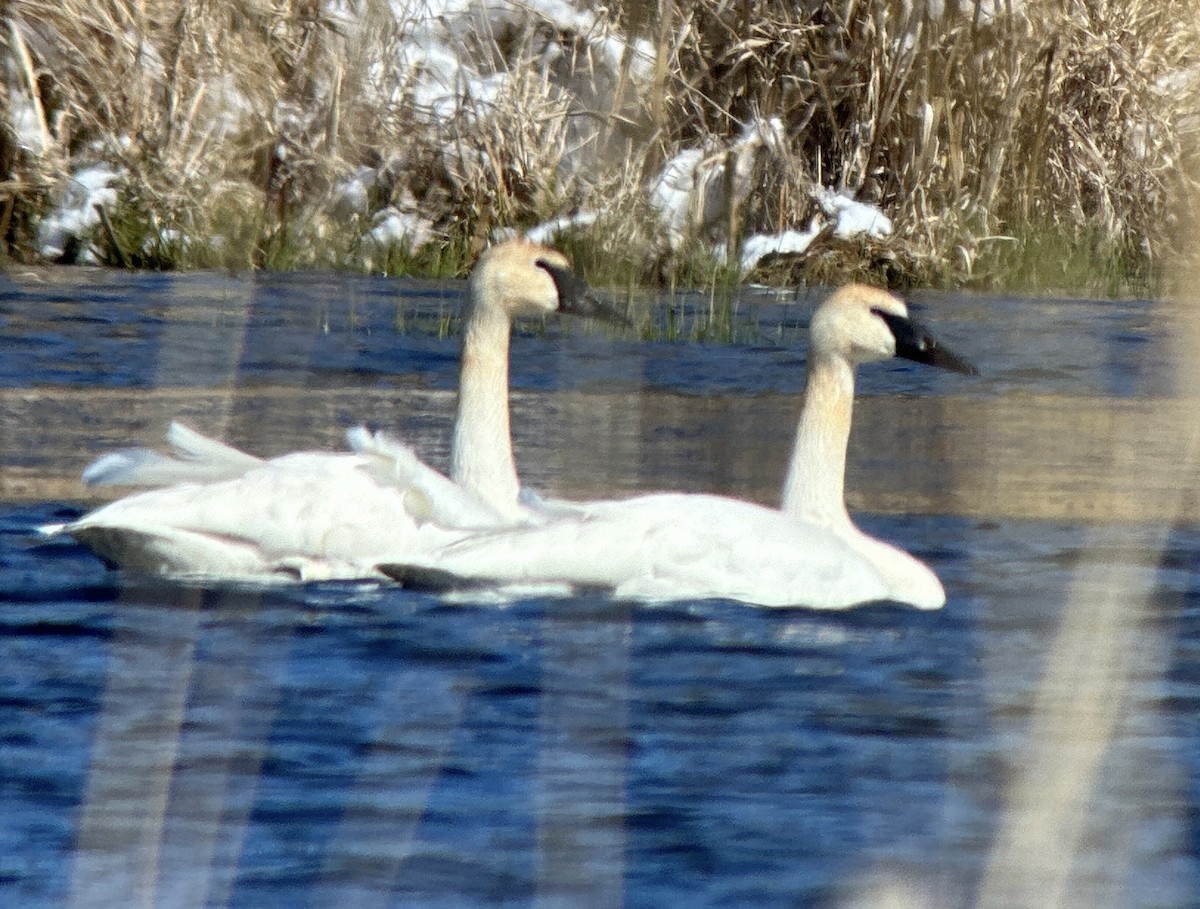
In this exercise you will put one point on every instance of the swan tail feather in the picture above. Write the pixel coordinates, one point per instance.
(431, 496)
(189, 445)
(193, 458)
(389, 459)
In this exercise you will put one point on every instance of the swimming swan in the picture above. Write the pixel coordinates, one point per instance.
(681, 546)
(314, 515)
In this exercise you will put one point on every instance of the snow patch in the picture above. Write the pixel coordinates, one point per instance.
(353, 196)
(77, 214)
(393, 227)
(26, 122)
(444, 37)
(849, 219)
(548, 230)
(852, 218)
(690, 189)
(790, 242)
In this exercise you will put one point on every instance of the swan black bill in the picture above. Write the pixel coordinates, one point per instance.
(428, 580)
(577, 299)
(915, 342)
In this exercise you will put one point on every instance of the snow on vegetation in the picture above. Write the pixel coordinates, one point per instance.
(757, 247)
(446, 68)
(442, 33)
(852, 218)
(368, 124)
(696, 187)
(392, 227)
(25, 120)
(89, 190)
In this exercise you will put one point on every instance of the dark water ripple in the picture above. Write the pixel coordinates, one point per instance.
(367, 745)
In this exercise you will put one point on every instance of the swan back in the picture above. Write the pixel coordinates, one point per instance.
(660, 547)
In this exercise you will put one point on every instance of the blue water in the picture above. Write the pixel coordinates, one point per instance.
(110, 330)
(357, 745)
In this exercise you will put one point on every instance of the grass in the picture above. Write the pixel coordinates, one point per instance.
(1044, 259)
(1047, 145)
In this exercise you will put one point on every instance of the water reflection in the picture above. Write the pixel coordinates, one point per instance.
(281, 362)
(1044, 457)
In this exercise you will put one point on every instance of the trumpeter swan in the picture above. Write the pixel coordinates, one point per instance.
(680, 546)
(312, 515)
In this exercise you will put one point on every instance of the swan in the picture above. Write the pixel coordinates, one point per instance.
(661, 546)
(220, 513)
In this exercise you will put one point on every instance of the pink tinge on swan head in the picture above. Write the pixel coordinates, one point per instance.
(524, 278)
(860, 324)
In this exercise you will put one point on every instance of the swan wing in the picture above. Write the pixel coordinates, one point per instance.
(431, 496)
(216, 512)
(193, 458)
(665, 547)
(311, 515)
(542, 507)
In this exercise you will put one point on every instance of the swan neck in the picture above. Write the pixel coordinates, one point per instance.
(816, 477)
(481, 455)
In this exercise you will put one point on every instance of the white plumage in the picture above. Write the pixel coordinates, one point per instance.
(665, 546)
(225, 514)
(678, 546)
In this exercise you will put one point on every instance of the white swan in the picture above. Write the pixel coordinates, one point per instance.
(316, 515)
(680, 546)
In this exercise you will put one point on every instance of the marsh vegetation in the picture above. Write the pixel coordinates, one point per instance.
(1018, 145)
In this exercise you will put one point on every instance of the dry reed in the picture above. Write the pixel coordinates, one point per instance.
(981, 130)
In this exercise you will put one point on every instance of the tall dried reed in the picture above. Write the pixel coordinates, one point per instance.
(984, 129)
(968, 125)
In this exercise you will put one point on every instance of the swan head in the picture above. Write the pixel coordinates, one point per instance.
(861, 324)
(522, 278)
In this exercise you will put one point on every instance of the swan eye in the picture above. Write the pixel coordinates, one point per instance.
(908, 334)
(896, 324)
(576, 298)
(914, 342)
(566, 283)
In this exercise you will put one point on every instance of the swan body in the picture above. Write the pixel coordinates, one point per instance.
(664, 546)
(219, 513)
(673, 545)
(308, 516)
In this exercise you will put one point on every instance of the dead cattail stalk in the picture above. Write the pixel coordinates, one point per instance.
(110, 235)
(923, 112)
(6, 216)
(662, 59)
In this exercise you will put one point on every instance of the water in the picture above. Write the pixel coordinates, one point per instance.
(358, 745)
(122, 330)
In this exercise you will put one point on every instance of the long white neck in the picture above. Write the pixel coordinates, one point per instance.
(815, 489)
(481, 455)
(816, 477)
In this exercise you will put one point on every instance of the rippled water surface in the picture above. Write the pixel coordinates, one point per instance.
(357, 745)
